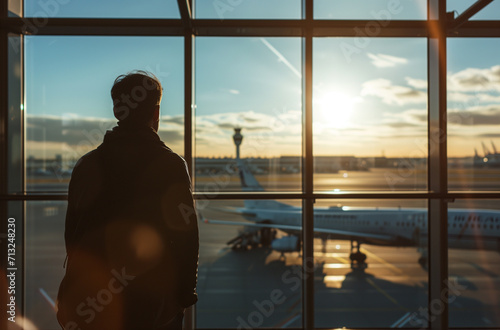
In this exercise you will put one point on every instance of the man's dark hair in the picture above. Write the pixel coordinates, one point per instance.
(135, 96)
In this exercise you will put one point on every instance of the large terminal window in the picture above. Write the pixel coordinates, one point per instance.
(345, 155)
(253, 84)
(68, 104)
(370, 114)
(473, 114)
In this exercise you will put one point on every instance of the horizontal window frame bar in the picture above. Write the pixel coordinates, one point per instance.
(286, 195)
(94, 26)
(228, 28)
(345, 328)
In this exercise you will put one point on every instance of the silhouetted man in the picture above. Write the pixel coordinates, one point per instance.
(131, 231)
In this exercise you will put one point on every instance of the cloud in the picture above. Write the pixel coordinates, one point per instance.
(71, 130)
(249, 128)
(386, 61)
(412, 119)
(490, 135)
(264, 133)
(171, 136)
(417, 83)
(77, 131)
(459, 97)
(249, 121)
(393, 94)
(483, 97)
(402, 125)
(477, 116)
(234, 91)
(178, 120)
(475, 80)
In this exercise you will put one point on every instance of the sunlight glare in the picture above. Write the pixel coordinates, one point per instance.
(335, 109)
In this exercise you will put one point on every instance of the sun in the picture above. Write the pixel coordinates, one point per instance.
(334, 109)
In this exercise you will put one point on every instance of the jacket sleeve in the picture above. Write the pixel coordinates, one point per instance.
(71, 221)
(85, 188)
(179, 212)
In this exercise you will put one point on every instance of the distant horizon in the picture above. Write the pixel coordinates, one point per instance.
(59, 134)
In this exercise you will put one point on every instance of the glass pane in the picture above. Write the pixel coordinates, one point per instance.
(473, 114)
(253, 84)
(15, 8)
(68, 103)
(15, 115)
(383, 282)
(474, 263)
(379, 11)
(249, 277)
(101, 8)
(262, 9)
(370, 114)
(45, 254)
(490, 12)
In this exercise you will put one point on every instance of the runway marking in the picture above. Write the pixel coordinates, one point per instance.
(336, 266)
(334, 281)
(47, 298)
(345, 261)
(399, 323)
(329, 254)
(374, 256)
(358, 310)
(369, 280)
(288, 323)
(391, 266)
(297, 302)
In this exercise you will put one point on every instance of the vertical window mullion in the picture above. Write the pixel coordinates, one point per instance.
(307, 170)
(189, 106)
(189, 101)
(438, 212)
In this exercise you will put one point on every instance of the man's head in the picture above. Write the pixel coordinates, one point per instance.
(136, 99)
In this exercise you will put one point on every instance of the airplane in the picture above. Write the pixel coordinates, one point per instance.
(397, 227)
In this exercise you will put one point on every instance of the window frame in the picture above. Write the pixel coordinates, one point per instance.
(436, 28)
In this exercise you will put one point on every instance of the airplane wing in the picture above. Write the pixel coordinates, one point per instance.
(234, 210)
(343, 233)
(252, 224)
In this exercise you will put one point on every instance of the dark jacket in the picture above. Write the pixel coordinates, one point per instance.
(130, 208)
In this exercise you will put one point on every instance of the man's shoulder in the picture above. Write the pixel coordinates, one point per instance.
(88, 159)
(168, 157)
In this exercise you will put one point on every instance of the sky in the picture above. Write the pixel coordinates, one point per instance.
(369, 95)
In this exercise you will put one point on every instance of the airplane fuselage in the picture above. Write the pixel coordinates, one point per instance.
(467, 229)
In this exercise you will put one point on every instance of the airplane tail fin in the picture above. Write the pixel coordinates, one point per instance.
(250, 183)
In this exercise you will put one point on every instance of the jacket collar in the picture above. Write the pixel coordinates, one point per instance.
(127, 133)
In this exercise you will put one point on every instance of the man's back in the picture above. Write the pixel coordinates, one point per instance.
(130, 209)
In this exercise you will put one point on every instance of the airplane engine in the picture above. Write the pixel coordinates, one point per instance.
(286, 244)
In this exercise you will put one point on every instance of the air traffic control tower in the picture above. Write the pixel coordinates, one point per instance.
(237, 138)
